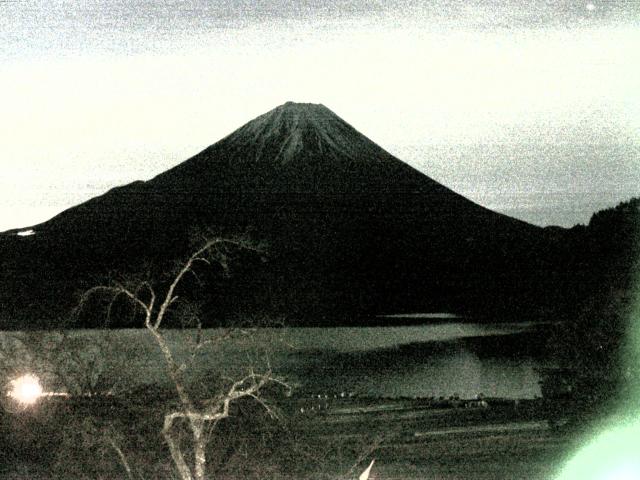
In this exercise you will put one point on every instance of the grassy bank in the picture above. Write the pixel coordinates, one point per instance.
(313, 438)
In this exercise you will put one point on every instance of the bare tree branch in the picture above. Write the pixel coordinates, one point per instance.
(211, 411)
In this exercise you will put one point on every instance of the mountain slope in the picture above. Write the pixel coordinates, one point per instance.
(352, 232)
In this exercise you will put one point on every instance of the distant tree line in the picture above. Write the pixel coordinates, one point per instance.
(595, 339)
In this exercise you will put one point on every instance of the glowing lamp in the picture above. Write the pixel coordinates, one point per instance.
(26, 389)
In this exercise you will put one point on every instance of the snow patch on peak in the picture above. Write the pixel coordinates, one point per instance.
(293, 128)
(302, 106)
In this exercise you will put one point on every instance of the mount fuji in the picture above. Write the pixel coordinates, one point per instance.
(352, 233)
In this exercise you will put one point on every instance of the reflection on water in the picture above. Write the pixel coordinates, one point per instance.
(496, 364)
(349, 339)
(460, 372)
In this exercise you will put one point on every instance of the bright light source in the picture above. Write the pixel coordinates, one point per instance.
(612, 455)
(26, 389)
(26, 233)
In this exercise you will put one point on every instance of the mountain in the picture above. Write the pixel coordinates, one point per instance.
(351, 230)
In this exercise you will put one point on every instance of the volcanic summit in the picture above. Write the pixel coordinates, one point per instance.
(352, 231)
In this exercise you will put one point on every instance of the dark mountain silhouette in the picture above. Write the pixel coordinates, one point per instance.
(351, 231)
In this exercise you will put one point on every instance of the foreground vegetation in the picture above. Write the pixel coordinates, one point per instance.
(246, 426)
(110, 437)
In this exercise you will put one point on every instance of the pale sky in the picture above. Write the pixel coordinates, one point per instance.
(528, 107)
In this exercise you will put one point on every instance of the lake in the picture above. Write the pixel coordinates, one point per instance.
(442, 359)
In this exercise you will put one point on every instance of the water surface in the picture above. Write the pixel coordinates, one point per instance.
(443, 359)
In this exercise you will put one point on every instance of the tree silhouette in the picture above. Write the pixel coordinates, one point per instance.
(197, 414)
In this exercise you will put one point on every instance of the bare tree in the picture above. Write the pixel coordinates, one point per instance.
(198, 414)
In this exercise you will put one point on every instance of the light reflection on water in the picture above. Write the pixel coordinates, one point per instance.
(462, 373)
(424, 361)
